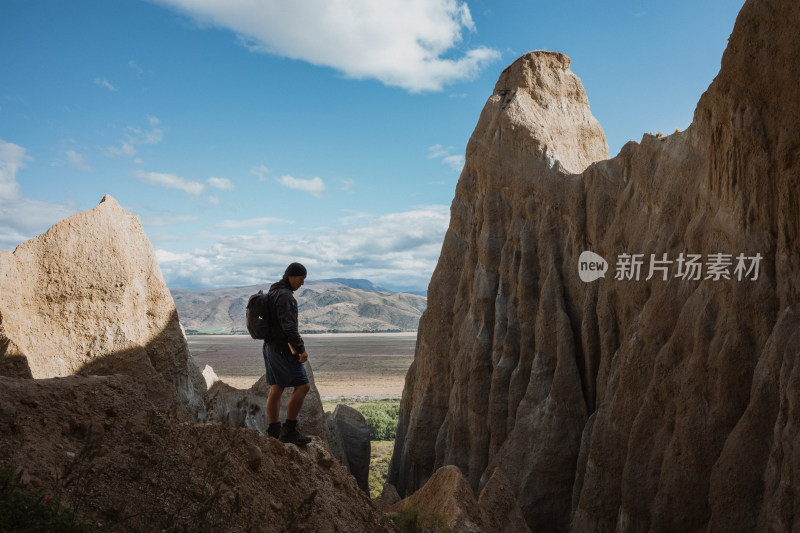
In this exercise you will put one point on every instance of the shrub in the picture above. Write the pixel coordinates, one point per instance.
(26, 510)
(378, 472)
(382, 419)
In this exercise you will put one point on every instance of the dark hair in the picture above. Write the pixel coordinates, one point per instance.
(295, 269)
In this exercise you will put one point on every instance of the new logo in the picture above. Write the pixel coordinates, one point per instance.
(591, 266)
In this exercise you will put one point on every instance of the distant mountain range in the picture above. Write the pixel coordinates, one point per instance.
(332, 305)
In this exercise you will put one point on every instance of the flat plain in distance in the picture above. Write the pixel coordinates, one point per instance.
(357, 365)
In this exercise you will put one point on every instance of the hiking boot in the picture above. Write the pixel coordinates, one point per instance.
(274, 430)
(289, 433)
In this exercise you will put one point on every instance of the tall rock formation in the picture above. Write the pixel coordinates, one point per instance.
(662, 403)
(88, 295)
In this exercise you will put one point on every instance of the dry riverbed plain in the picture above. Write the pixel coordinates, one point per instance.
(345, 365)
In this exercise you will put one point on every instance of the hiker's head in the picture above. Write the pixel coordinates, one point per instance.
(296, 274)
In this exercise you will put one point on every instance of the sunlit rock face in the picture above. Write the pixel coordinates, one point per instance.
(668, 403)
(88, 295)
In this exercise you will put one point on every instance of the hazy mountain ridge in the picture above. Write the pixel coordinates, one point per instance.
(333, 305)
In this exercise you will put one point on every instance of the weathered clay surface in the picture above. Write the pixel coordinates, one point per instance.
(497, 501)
(389, 494)
(622, 405)
(447, 501)
(88, 295)
(448, 498)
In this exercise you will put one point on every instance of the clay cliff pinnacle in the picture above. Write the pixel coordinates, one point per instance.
(654, 403)
(540, 95)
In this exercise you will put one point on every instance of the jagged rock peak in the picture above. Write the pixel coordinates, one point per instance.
(539, 93)
(523, 71)
(110, 199)
(88, 296)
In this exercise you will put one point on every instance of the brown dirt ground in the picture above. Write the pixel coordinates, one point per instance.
(122, 452)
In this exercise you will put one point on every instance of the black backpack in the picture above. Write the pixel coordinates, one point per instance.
(257, 316)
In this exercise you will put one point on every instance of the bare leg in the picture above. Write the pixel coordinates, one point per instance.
(274, 403)
(295, 401)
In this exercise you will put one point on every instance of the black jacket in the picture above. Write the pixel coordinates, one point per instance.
(283, 319)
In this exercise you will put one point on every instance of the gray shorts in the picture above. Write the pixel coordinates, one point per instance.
(283, 370)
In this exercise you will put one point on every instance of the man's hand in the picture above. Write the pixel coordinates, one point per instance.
(303, 357)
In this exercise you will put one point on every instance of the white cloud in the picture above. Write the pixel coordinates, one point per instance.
(396, 249)
(125, 149)
(456, 162)
(261, 171)
(136, 68)
(140, 136)
(250, 223)
(12, 159)
(102, 82)
(402, 43)
(163, 256)
(354, 216)
(76, 160)
(315, 185)
(20, 217)
(24, 218)
(135, 136)
(346, 184)
(170, 181)
(437, 151)
(223, 184)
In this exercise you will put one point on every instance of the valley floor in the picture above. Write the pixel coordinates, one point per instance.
(372, 365)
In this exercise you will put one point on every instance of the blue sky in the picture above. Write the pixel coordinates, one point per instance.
(247, 135)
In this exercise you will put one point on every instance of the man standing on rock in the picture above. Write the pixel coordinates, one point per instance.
(284, 355)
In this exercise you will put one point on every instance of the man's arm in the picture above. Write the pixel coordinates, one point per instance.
(287, 318)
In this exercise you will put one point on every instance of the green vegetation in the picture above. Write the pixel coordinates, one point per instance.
(24, 510)
(381, 416)
(380, 457)
(382, 419)
(410, 520)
